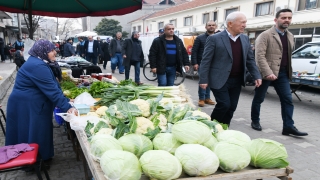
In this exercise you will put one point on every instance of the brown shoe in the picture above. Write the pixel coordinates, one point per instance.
(209, 101)
(139, 83)
(201, 103)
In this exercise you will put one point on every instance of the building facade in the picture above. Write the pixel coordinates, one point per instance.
(190, 17)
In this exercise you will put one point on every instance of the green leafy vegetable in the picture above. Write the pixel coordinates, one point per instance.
(97, 88)
(87, 129)
(99, 125)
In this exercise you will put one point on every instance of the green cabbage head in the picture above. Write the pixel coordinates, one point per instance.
(191, 132)
(160, 165)
(136, 144)
(166, 141)
(234, 137)
(232, 157)
(120, 165)
(211, 143)
(197, 160)
(267, 153)
(100, 143)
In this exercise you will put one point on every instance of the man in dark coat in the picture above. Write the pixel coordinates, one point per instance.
(105, 49)
(115, 53)
(196, 56)
(2, 50)
(68, 49)
(225, 58)
(132, 54)
(80, 47)
(167, 55)
(92, 50)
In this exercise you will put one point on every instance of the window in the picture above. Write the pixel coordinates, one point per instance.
(139, 28)
(308, 52)
(295, 31)
(134, 28)
(228, 11)
(301, 41)
(188, 21)
(205, 18)
(308, 4)
(264, 8)
(174, 22)
(215, 16)
(317, 31)
(306, 31)
(160, 25)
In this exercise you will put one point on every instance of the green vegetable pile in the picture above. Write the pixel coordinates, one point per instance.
(97, 88)
(163, 138)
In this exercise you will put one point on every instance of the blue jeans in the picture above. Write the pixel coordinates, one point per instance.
(282, 87)
(227, 99)
(136, 65)
(91, 58)
(117, 60)
(203, 93)
(167, 79)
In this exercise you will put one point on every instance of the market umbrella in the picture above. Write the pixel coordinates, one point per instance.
(86, 34)
(71, 8)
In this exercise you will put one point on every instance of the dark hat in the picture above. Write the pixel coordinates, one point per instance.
(161, 31)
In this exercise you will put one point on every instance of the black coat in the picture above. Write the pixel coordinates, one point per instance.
(1, 43)
(96, 48)
(127, 49)
(113, 46)
(105, 51)
(158, 54)
(197, 48)
(19, 61)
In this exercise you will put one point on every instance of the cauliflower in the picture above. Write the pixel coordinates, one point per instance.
(101, 111)
(105, 131)
(143, 124)
(219, 128)
(163, 121)
(143, 105)
(201, 114)
(93, 114)
(165, 101)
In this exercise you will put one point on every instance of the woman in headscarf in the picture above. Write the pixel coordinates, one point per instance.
(35, 94)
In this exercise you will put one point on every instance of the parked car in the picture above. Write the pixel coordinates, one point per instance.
(307, 58)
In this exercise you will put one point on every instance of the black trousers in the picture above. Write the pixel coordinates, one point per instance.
(227, 99)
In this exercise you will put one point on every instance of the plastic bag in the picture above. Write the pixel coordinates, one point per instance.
(85, 98)
(78, 123)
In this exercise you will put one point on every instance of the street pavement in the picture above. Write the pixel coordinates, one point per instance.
(304, 152)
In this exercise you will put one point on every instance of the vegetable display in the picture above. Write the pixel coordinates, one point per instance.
(147, 130)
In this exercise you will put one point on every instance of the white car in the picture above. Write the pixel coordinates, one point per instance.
(307, 58)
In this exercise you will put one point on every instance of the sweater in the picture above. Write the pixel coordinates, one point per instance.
(237, 56)
(284, 41)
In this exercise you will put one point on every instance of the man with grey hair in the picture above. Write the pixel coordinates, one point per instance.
(167, 55)
(115, 53)
(225, 59)
(132, 55)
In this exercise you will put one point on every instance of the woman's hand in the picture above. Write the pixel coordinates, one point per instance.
(73, 110)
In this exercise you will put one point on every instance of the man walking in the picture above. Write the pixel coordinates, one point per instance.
(196, 56)
(80, 47)
(167, 55)
(18, 45)
(68, 49)
(273, 55)
(105, 50)
(2, 50)
(225, 59)
(115, 53)
(92, 50)
(132, 55)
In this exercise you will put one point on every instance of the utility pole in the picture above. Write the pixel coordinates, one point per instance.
(57, 26)
(19, 25)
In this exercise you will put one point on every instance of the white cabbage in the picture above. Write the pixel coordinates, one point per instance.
(136, 144)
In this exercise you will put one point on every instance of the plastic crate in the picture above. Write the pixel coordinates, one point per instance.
(82, 108)
(58, 119)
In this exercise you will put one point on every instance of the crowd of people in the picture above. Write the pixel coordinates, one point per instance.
(222, 60)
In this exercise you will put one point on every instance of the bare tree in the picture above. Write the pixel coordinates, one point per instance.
(66, 26)
(35, 20)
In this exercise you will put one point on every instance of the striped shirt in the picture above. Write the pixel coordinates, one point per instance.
(171, 48)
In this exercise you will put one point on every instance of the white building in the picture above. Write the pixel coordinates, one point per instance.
(149, 6)
(190, 17)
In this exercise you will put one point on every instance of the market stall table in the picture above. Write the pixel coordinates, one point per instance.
(252, 173)
(301, 81)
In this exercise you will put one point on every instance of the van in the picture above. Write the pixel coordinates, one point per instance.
(307, 58)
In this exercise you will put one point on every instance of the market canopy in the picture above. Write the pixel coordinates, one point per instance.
(71, 8)
(86, 34)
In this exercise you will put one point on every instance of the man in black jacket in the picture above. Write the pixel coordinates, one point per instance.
(115, 53)
(132, 55)
(196, 56)
(92, 50)
(167, 55)
(68, 49)
(2, 50)
(18, 45)
(80, 47)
